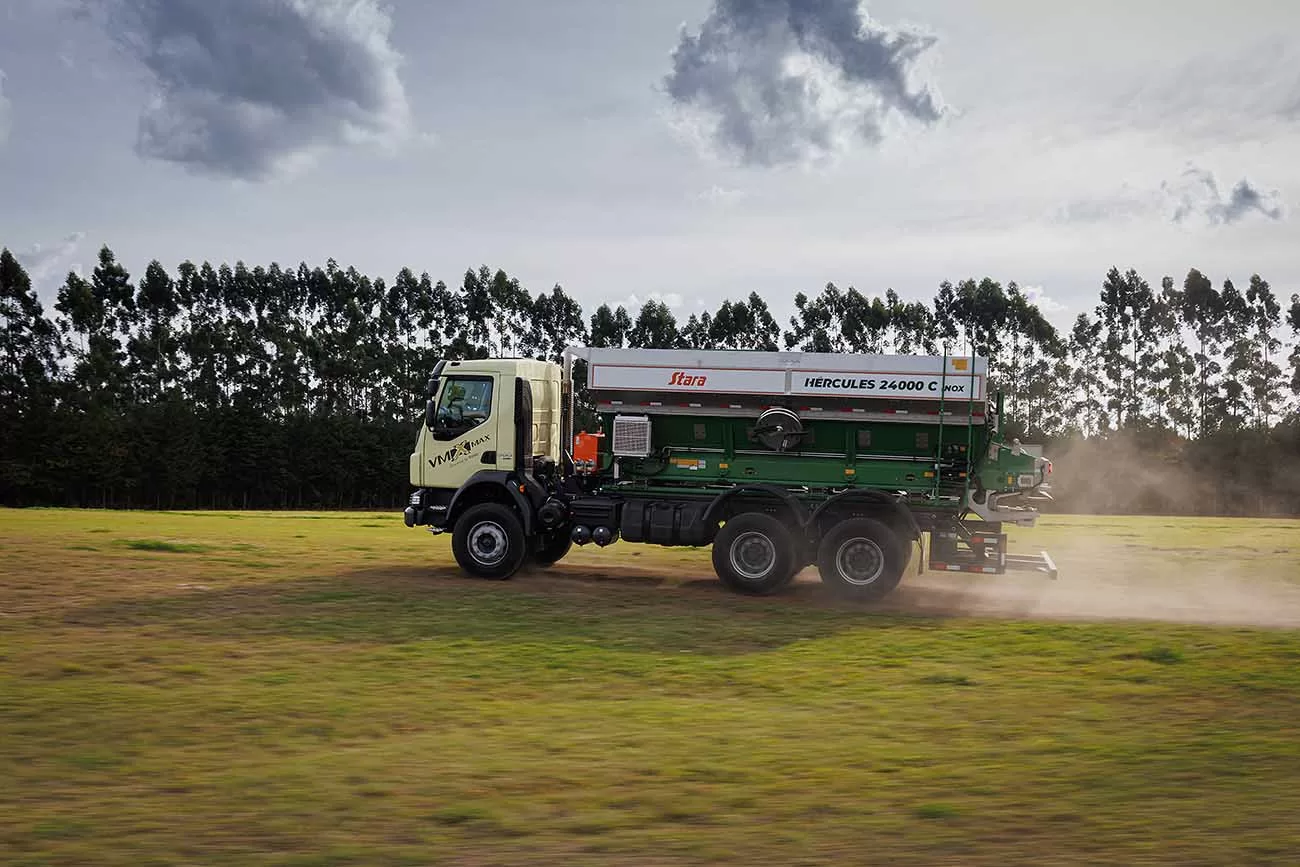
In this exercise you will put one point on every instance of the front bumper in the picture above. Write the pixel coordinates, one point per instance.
(427, 508)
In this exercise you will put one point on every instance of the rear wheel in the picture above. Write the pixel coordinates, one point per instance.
(861, 558)
(489, 542)
(753, 553)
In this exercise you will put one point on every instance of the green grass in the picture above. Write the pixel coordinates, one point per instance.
(273, 696)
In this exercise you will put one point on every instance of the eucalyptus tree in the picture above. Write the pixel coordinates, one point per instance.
(512, 314)
(1293, 319)
(747, 324)
(912, 325)
(655, 328)
(818, 324)
(406, 305)
(29, 342)
(473, 328)
(1127, 311)
(980, 310)
(1034, 344)
(99, 313)
(610, 329)
(381, 353)
(1167, 366)
(1264, 377)
(153, 348)
(1084, 348)
(945, 319)
(1238, 356)
(1203, 311)
(698, 331)
(29, 368)
(864, 322)
(96, 439)
(556, 324)
(281, 327)
(204, 340)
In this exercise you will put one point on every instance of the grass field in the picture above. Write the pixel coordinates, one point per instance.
(325, 689)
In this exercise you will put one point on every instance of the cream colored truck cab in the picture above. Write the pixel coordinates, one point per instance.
(490, 427)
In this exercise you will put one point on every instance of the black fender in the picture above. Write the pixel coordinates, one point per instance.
(889, 503)
(496, 480)
(799, 510)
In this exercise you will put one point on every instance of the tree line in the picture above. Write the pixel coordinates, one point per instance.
(270, 387)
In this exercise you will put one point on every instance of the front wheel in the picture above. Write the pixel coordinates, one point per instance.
(753, 553)
(489, 542)
(861, 558)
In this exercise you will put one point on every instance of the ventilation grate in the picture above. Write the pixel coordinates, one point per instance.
(631, 436)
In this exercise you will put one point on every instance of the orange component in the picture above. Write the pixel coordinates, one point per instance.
(585, 447)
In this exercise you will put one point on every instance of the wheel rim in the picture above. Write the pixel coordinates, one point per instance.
(752, 556)
(487, 543)
(860, 561)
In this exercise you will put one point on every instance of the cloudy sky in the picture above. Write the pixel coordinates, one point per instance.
(686, 149)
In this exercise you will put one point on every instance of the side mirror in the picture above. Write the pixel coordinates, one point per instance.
(431, 387)
(430, 413)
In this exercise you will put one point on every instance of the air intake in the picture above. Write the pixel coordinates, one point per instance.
(631, 436)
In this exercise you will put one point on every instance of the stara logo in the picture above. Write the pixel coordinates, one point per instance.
(681, 378)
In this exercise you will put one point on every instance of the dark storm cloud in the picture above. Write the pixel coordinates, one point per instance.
(784, 80)
(245, 88)
(1195, 196)
(1199, 194)
(1246, 198)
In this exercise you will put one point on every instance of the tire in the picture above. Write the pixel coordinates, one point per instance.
(552, 549)
(861, 558)
(489, 542)
(754, 554)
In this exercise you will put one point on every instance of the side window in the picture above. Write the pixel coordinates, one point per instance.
(465, 404)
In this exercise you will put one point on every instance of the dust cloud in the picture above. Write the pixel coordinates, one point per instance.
(1097, 582)
(1119, 559)
(1154, 473)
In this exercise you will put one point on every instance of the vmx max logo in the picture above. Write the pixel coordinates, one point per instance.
(457, 451)
(680, 378)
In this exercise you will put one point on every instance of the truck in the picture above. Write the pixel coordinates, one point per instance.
(777, 460)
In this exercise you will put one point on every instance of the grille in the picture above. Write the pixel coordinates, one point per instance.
(631, 436)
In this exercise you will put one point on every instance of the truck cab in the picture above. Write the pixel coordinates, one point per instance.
(499, 414)
(490, 441)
